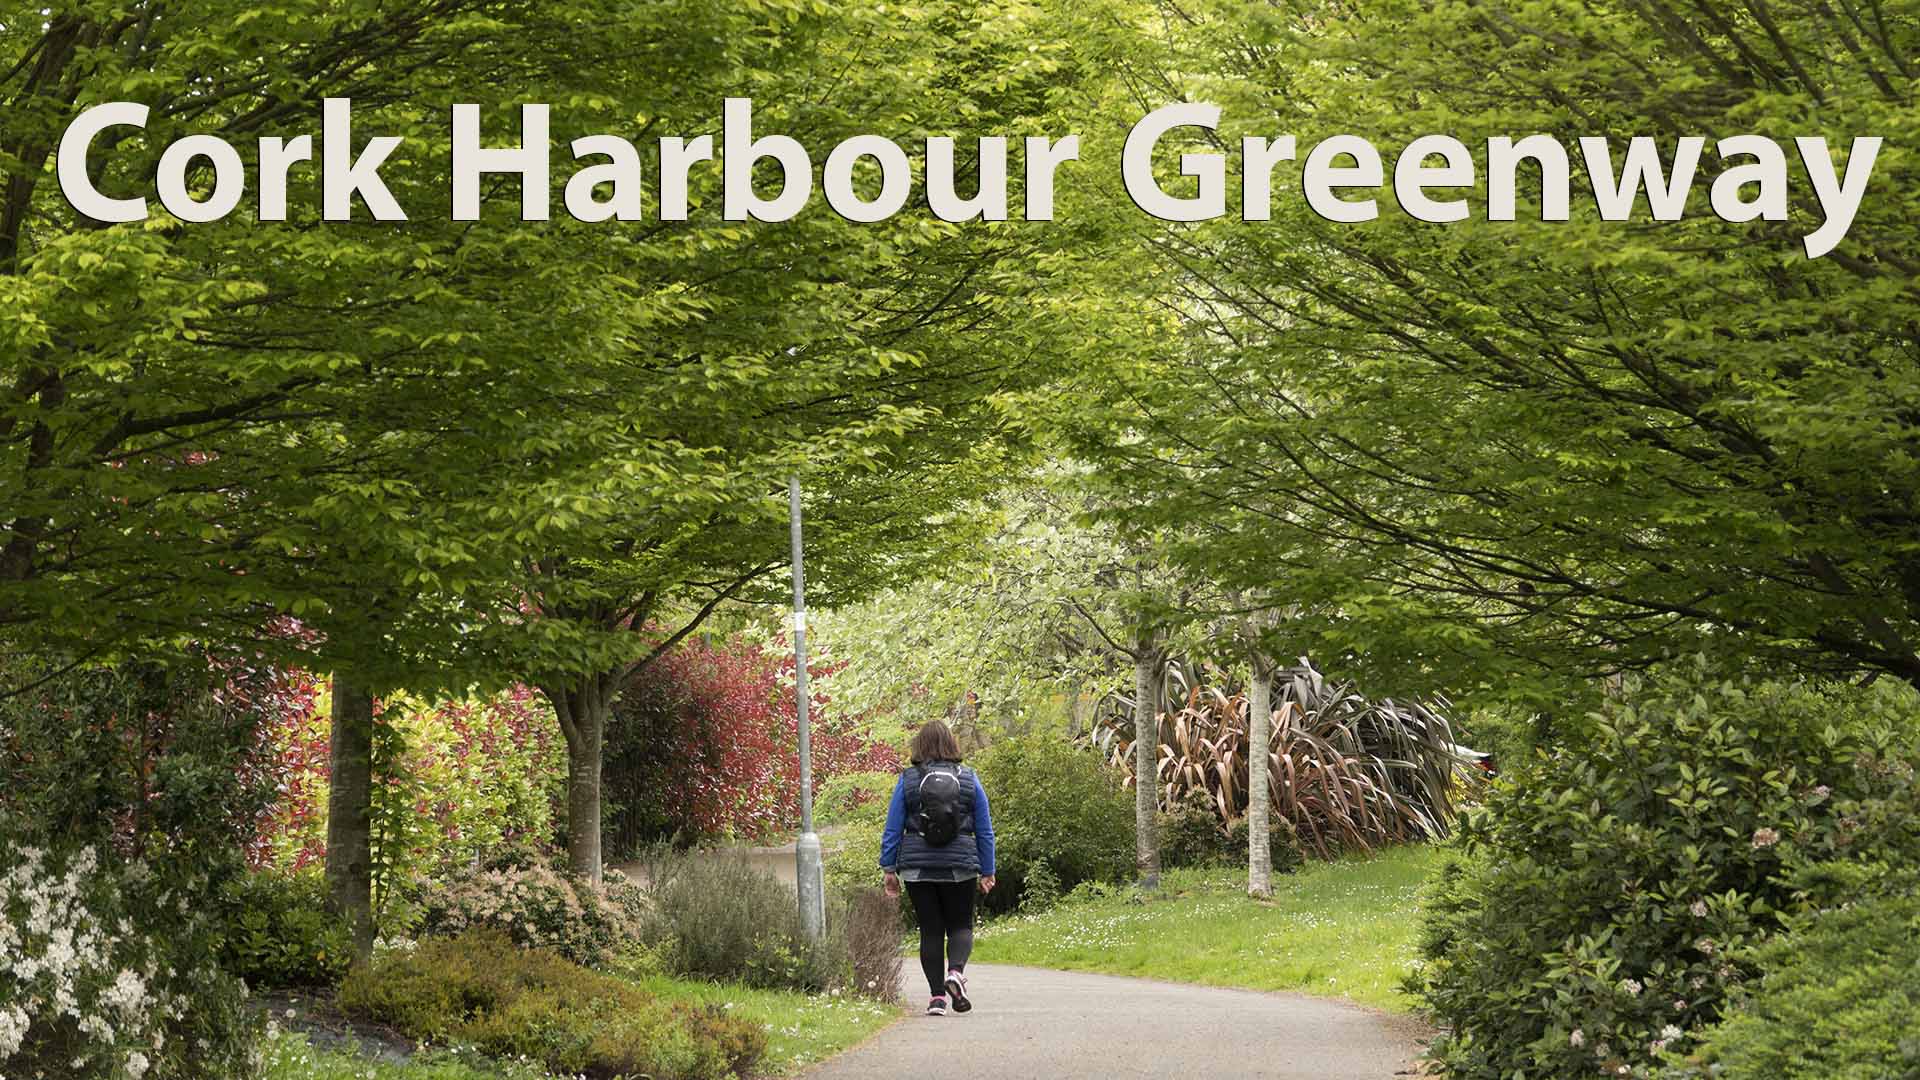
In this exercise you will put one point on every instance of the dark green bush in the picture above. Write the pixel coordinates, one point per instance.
(1190, 833)
(1839, 1001)
(1057, 804)
(1283, 847)
(1040, 889)
(719, 917)
(280, 932)
(482, 990)
(1606, 894)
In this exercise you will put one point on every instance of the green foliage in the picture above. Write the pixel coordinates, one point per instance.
(1190, 833)
(1607, 893)
(994, 642)
(719, 917)
(281, 931)
(1057, 804)
(156, 758)
(1326, 404)
(1283, 847)
(108, 972)
(1837, 1002)
(1040, 887)
(461, 780)
(291, 1057)
(538, 907)
(1508, 734)
(852, 857)
(802, 1029)
(1344, 772)
(481, 989)
(855, 798)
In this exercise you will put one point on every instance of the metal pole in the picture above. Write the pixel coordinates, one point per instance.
(809, 875)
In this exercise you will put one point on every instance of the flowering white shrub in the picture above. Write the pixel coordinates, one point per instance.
(539, 908)
(86, 994)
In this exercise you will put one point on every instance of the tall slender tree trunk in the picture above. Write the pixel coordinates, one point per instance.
(1260, 781)
(349, 872)
(1146, 760)
(582, 709)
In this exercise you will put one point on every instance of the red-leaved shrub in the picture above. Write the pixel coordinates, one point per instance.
(704, 742)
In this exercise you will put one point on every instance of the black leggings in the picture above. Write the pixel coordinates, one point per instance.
(945, 912)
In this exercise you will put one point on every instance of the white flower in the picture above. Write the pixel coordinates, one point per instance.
(136, 1064)
(13, 1029)
(1577, 1039)
(1699, 909)
(1631, 986)
(1670, 1032)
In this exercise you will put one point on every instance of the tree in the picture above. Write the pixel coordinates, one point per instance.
(870, 355)
(1521, 450)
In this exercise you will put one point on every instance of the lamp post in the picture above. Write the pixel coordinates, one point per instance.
(809, 877)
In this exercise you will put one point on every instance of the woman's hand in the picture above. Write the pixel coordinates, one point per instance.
(986, 884)
(891, 886)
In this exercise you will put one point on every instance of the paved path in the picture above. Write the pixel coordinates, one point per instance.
(1033, 1023)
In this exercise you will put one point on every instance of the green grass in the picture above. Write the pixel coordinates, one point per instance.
(801, 1028)
(290, 1057)
(1338, 929)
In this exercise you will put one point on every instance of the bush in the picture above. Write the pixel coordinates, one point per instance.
(873, 944)
(1057, 804)
(1190, 833)
(538, 907)
(718, 917)
(1838, 1002)
(852, 858)
(281, 933)
(1348, 774)
(1283, 847)
(1041, 888)
(462, 779)
(855, 798)
(481, 989)
(700, 745)
(108, 973)
(1606, 895)
(161, 762)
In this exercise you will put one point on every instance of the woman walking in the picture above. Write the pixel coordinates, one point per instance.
(939, 840)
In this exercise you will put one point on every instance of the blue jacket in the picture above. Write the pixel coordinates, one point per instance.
(891, 839)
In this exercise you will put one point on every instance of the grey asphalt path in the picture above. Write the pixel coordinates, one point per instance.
(1034, 1023)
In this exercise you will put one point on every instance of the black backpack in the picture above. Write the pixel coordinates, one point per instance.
(943, 804)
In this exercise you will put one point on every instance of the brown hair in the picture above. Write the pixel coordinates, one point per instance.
(933, 742)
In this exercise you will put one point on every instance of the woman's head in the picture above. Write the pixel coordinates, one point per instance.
(933, 742)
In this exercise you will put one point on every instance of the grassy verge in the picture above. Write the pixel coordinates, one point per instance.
(290, 1057)
(801, 1028)
(1340, 929)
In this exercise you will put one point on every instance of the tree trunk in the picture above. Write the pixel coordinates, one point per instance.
(350, 812)
(582, 709)
(1259, 782)
(1146, 762)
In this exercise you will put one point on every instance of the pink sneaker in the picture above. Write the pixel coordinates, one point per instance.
(937, 1007)
(957, 990)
